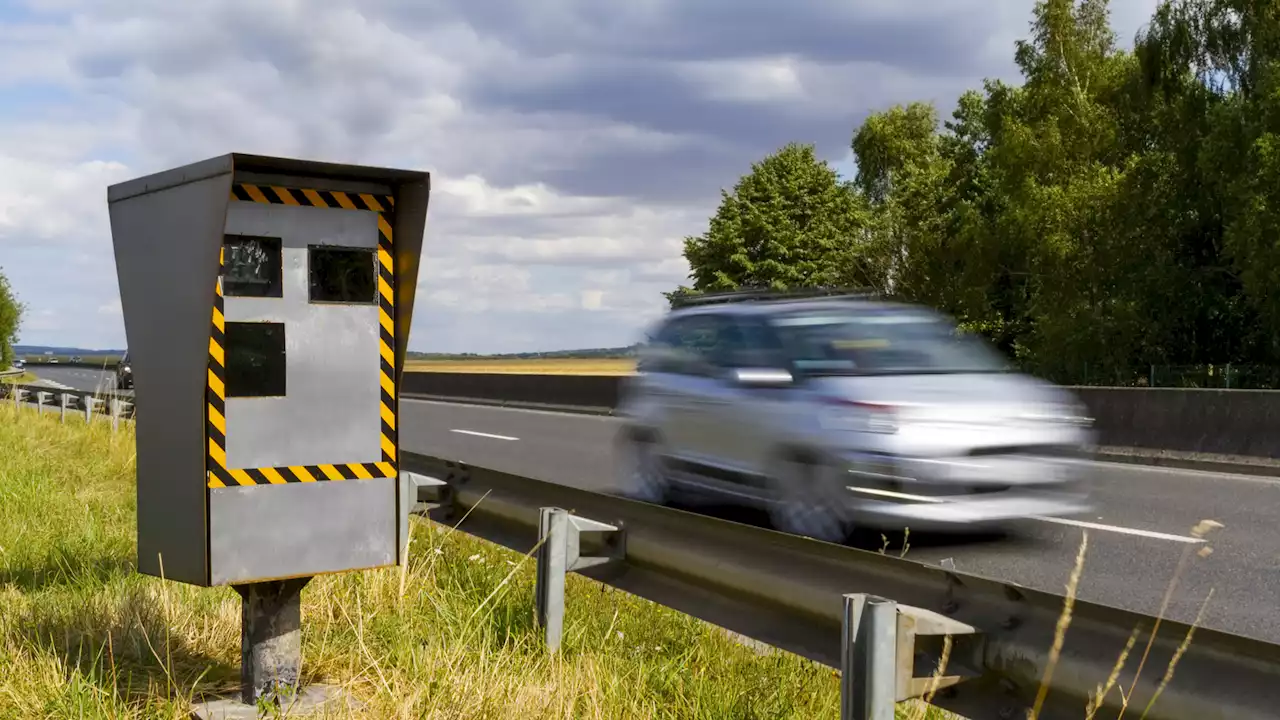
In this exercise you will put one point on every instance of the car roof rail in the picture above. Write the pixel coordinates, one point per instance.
(683, 300)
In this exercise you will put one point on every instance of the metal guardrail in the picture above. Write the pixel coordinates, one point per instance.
(116, 406)
(817, 599)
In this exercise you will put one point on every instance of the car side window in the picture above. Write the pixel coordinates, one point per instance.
(754, 345)
(664, 352)
(691, 345)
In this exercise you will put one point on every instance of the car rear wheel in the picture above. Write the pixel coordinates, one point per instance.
(641, 470)
(803, 504)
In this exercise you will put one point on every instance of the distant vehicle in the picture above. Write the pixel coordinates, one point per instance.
(845, 411)
(75, 358)
(124, 374)
(19, 363)
(53, 361)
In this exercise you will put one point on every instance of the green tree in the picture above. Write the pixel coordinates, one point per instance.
(10, 321)
(907, 170)
(788, 223)
(1025, 215)
(1211, 69)
(1114, 210)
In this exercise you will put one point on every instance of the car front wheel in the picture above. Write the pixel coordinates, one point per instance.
(640, 469)
(803, 504)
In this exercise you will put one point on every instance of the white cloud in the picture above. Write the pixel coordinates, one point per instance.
(592, 299)
(573, 144)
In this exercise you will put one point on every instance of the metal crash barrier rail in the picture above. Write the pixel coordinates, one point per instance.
(115, 406)
(887, 622)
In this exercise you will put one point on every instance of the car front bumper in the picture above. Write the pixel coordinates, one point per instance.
(963, 493)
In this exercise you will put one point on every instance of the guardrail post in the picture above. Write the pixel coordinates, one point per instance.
(89, 401)
(65, 400)
(18, 393)
(868, 658)
(118, 407)
(41, 397)
(560, 553)
(419, 494)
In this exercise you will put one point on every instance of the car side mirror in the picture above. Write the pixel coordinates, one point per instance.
(762, 377)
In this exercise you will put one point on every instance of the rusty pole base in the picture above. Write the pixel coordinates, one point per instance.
(271, 657)
(270, 640)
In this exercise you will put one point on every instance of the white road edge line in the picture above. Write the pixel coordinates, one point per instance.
(1189, 472)
(1122, 530)
(483, 435)
(1060, 521)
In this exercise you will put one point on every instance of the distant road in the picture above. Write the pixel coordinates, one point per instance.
(73, 378)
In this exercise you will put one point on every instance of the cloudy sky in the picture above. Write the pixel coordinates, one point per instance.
(573, 143)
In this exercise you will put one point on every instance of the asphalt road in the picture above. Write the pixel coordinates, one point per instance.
(63, 377)
(1136, 537)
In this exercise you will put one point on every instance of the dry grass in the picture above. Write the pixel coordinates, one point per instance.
(549, 366)
(1103, 690)
(22, 379)
(450, 635)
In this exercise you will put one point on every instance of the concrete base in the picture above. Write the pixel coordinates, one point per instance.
(311, 699)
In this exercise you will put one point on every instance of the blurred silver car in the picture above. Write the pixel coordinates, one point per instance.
(842, 411)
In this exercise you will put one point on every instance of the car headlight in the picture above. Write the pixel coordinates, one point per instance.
(852, 416)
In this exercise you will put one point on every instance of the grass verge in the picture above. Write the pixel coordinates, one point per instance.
(22, 379)
(82, 635)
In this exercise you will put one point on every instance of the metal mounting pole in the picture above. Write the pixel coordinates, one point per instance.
(868, 658)
(41, 397)
(66, 397)
(270, 639)
(560, 553)
(88, 401)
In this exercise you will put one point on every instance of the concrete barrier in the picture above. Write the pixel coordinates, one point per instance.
(597, 392)
(1215, 422)
(1211, 422)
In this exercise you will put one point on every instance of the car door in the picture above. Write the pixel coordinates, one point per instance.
(743, 422)
(668, 381)
(713, 398)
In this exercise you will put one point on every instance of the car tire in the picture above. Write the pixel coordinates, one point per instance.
(641, 471)
(804, 505)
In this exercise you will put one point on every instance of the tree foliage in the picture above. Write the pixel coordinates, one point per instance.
(10, 321)
(786, 224)
(1114, 210)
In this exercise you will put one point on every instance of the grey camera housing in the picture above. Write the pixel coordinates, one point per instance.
(267, 304)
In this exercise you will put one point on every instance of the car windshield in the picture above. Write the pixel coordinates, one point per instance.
(893, 342)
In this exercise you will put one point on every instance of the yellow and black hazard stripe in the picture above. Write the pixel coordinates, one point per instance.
(222, 476)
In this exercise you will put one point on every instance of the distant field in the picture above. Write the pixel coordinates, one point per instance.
(548, 366)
